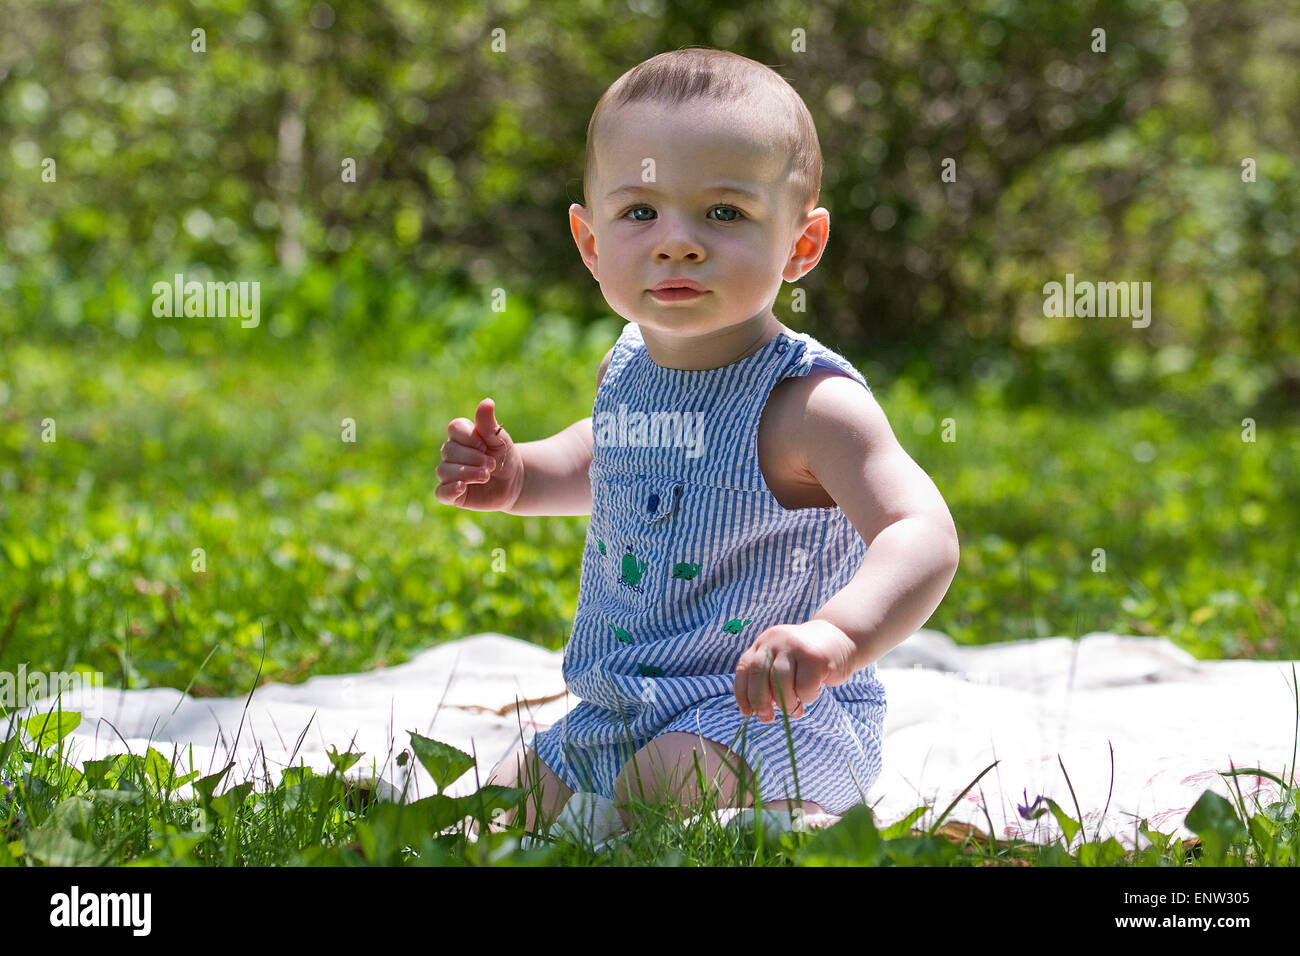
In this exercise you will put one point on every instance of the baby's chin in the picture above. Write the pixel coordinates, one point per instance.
(678, 316)
(681, 325)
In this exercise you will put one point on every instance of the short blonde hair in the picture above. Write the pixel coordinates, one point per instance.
(681, 75)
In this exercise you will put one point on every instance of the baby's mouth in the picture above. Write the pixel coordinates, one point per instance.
(676, 284)
(677, 294)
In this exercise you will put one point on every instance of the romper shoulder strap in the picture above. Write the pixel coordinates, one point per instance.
(815, 353)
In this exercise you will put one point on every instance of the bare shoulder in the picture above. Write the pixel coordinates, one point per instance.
(807, 414)
(828, 405)
(830, 434)
(785, 447)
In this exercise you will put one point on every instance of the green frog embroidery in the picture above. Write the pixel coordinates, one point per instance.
(648, 670)
(735, 624)
(601, 545)
(621, 634)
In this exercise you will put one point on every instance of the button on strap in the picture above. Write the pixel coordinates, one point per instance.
(658, 498)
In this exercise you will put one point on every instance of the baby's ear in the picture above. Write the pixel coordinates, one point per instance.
(584, 236)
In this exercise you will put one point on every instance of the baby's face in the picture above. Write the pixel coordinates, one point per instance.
(683, 224)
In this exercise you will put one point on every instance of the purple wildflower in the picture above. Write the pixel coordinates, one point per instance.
(1028, 811)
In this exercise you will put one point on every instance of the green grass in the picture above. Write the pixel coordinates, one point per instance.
(341, 556)
(120, 811)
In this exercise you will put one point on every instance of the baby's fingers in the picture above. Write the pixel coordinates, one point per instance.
(755, 679)
(467, 466)
(742, 691)
(461, 431)
(452, 493)
(782, 683)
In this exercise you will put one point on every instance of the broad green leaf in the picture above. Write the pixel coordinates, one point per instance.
(921, 851)
(1159, 840)
(1053, 855)
(48, 729)
(293, 776)
(60, 848)
(342, 762)
(445, 763)
(162, 774)
(493, 849)
(1069, 826)
(204, 788)
(105, 771)
(228, 804)
(853, 841)
(390, 826)
(178, 845)
(1284, 810)
(1107, 853)
(73, 813)
(487, 799)
(324, 856)
(122, 797)
(1214, 820)
(438, 812)
(1263, 831)
(372, 841)
(904, 826)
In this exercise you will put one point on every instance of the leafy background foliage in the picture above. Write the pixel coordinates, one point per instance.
(1072, 436)
(175, 434)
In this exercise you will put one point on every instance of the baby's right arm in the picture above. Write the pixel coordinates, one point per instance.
(556, 480)
(550, 475)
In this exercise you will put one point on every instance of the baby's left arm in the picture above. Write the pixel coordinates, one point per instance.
(846, 443)
(838, 434)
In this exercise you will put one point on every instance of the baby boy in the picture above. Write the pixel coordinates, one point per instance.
(770, 560)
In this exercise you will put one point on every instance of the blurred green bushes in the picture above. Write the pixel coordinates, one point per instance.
(1123, 165)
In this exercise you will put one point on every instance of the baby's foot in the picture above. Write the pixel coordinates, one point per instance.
(589, 820)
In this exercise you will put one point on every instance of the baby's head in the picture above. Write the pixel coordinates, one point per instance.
(662, 143)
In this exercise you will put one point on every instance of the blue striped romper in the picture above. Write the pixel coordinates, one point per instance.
(688, 559)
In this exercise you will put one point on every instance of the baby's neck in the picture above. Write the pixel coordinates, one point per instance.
(712, 349)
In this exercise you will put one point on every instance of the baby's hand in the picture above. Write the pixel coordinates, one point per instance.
(481, 470)
(790, 663)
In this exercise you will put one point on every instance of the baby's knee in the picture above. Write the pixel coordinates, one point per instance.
(670, 766)
(544, 792)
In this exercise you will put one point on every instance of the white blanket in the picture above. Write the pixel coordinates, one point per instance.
(1173, 722)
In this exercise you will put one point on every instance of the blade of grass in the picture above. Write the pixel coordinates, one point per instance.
(1096, 835)
(955, 800)
(1072, 797)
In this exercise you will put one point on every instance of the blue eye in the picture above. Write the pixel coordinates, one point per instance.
(733, 209)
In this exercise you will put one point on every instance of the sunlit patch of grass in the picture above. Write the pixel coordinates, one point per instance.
(122, 810)
(200, 523)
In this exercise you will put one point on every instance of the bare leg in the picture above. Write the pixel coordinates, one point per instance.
(546, 796)
(665, 769)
